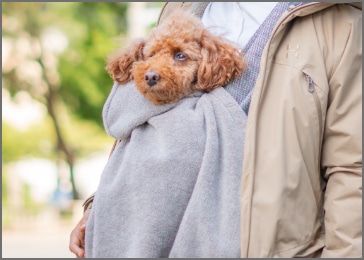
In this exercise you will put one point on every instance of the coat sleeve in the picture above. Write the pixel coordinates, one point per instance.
(342, 140)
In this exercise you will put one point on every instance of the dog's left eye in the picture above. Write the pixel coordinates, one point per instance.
(180, 56)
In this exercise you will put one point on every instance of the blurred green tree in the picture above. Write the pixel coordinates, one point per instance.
(58, 57)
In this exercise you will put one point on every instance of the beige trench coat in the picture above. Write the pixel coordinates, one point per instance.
(302, 174)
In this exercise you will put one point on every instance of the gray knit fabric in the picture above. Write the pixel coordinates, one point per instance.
(198, 8)
(242, 87)
(171, 187)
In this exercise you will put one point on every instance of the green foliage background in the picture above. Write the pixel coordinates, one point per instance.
(89, 27)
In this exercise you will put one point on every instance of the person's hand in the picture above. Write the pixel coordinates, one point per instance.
(77, 237)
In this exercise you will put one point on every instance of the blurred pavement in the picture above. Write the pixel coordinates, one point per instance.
(52, 243)
(46, 236)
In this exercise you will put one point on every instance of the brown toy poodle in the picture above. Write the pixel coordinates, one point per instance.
(179, 58)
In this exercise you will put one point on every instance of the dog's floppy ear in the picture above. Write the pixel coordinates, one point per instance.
(119, 64)
(220, 62)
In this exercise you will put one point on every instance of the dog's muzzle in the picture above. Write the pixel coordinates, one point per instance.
(152, 78)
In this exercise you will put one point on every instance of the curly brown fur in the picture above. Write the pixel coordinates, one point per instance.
(119, 64)
(179, 57)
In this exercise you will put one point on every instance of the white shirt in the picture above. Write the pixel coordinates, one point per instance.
(236, 21)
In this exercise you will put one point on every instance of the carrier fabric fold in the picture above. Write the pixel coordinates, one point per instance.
(171, 187)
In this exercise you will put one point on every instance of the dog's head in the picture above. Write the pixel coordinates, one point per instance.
(179, 57)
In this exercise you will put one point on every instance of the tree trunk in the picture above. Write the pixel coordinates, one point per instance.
(51, 97)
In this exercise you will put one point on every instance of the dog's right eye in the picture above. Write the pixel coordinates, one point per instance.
(180, 56)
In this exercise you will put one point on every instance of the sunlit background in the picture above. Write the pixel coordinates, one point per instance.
(54, 85)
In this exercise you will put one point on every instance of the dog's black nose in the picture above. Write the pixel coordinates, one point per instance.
(152, 78)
